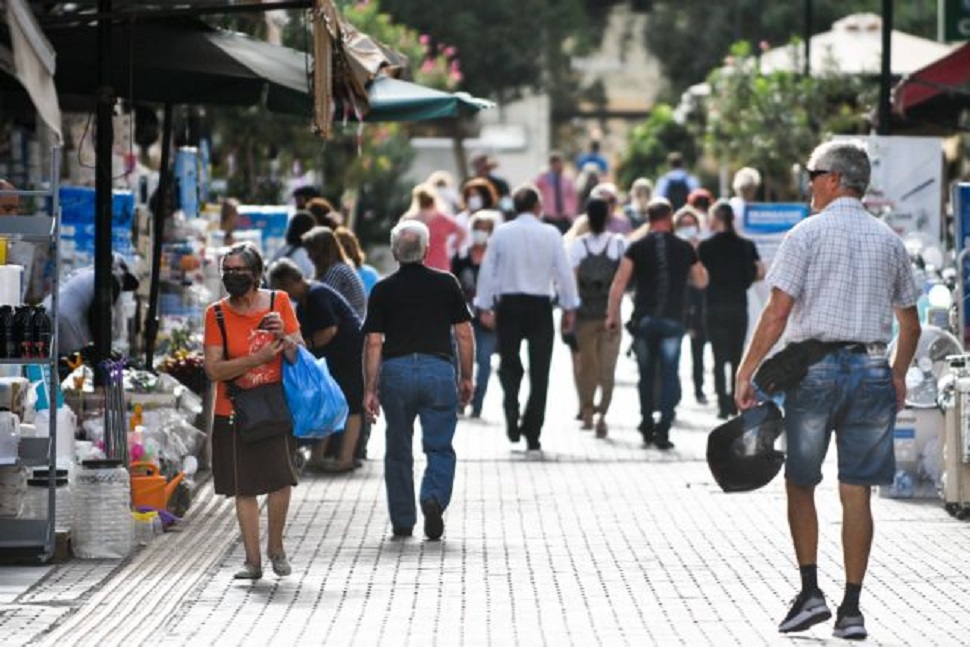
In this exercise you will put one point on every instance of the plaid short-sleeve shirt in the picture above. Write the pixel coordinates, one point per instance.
(846, 272)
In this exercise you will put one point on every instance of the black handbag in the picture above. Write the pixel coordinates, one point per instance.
(788, 367)
(260, 412)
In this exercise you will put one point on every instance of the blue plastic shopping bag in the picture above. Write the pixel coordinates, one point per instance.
(316, 402)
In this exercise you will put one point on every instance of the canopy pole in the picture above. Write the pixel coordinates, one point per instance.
(104, 143)
(158, 233)
(884, 127)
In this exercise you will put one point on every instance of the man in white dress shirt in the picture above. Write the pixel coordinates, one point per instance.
(524, 267)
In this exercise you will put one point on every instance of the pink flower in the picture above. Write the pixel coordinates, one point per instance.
(455, 66)
(427, 66)
(450, 51)
(455, 76)
(424, 39)
(764, 46)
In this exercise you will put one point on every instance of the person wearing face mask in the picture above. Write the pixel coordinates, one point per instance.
(258, 329)
(687, 225)
(476, 194)
(466, 268)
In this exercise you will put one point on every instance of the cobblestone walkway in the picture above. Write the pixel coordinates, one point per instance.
(602, 543)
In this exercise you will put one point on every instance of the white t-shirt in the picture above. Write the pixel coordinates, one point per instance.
(596, 244)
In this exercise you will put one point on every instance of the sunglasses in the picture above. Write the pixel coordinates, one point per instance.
(817, 173)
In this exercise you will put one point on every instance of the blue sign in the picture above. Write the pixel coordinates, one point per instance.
(772, 217)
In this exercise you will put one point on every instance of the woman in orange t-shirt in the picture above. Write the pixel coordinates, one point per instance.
(260, 327)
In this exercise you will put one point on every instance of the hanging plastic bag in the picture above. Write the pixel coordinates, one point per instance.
(317, 404)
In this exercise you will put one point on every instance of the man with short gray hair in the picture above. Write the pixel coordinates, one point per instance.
(837, 278)
(410, 371)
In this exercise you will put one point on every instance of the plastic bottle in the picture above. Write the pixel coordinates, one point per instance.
(7, 343)
(41, 332)
(137, 418)
(21, 332)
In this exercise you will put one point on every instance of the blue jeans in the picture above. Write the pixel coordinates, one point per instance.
(658, 342)
(853, 395)
(419, 386)
(486, 341)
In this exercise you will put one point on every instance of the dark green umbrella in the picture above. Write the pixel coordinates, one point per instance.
(185, 61)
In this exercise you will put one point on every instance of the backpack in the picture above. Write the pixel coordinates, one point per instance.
(677, 192)
(594, 276)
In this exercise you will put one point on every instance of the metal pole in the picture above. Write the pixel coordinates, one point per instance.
(807, 35)
(158, 232)
(102, 189)
(885, 77)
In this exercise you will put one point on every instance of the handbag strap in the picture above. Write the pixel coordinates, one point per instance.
(221, 321)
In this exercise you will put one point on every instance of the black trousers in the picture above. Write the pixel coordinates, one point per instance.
(726, 328)
(525, 318)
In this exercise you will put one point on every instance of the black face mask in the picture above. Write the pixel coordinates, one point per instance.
(237, 284)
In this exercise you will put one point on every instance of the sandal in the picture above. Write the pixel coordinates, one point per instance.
(249, 572)
(281, 565)
(334, 467)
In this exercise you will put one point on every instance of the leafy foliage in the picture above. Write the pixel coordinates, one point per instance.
(651, 141)
(507, 45)
(773, 121)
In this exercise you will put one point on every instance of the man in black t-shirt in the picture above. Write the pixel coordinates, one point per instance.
(410, 371)
(733, 264)
(661, 263)
(331, 329)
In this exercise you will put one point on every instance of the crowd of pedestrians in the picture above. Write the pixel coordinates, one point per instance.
(482, 270)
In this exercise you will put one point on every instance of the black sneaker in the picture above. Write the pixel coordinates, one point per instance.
(807, 609)
(850, 625)
(646, 431)
(663, 443)
(402, 532)
(434, 525)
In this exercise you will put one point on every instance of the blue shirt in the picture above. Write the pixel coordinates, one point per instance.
(526, 256)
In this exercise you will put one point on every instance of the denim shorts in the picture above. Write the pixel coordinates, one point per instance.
(853, 395)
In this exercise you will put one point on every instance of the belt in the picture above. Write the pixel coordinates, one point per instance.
(877, 348)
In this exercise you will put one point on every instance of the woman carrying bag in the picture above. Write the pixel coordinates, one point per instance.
(246, 336)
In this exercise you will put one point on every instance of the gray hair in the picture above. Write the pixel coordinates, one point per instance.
(746, 178)
(283, 272)
(409, 241)
(848, 158)
(250, 256)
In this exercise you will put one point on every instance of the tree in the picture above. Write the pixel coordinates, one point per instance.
(651, 141)
(691, 38)
(773, 121)
(506, 45)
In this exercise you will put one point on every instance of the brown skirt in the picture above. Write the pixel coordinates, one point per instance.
(250, 469)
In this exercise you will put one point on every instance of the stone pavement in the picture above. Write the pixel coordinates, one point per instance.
(602, 543)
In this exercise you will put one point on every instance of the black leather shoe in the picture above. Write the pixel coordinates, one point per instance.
(663, 443)
(402, 532)
(434, 525)
(646, 430)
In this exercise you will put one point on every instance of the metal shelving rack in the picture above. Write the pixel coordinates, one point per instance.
(37, 536)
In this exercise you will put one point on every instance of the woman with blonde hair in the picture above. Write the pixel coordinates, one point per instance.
(352, 250)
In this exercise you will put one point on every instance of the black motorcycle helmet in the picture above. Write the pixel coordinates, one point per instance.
(741, 451)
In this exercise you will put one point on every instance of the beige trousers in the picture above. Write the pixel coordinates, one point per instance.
(598, 351)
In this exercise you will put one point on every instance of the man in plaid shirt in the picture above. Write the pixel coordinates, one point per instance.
(838, 277)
